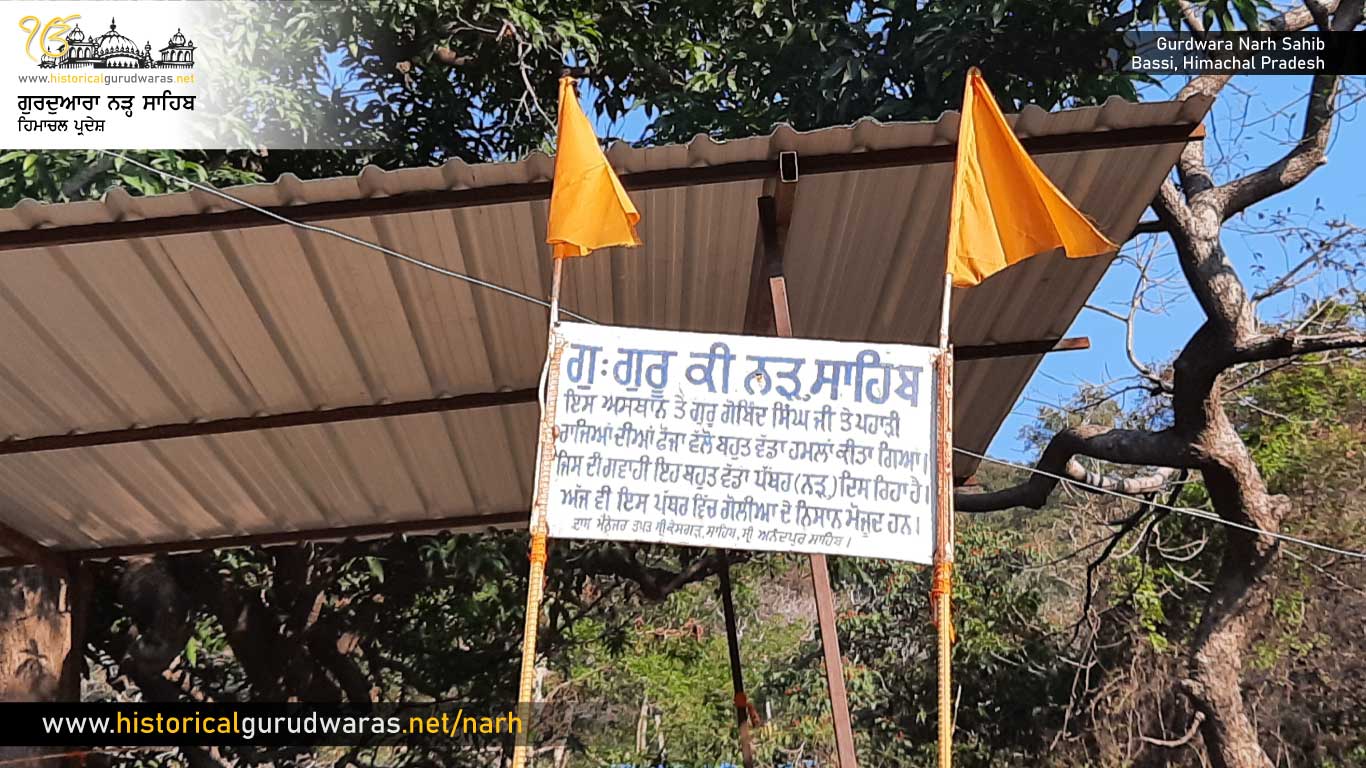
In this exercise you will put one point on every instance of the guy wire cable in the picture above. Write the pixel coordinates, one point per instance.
(541, 302)
(1200, 513)
(349, 238)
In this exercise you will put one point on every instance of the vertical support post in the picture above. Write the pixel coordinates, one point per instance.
(820, 571)
(540, 535)
(834, 663)
(737, 676)
(941, 592)
(78, 603)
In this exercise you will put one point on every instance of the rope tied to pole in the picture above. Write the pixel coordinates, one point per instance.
(539, 541)
(941, 587)
(942, 583)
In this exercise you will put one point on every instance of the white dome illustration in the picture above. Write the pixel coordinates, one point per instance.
(112, 42)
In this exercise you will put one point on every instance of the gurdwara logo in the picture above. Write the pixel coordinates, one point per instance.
(62, 44)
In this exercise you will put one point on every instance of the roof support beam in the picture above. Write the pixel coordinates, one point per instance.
(28, 551)
(775, 213)
(274, 421)
(766, 277)
(471, 522)
(412, 202)
(760, 300)
(1020, 348)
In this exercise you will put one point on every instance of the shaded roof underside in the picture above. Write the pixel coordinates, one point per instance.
(173, 327)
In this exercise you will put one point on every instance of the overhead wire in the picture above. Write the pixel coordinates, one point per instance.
(344, 236)
(1190, 511)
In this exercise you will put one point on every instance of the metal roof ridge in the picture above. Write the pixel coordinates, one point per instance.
(374, 182)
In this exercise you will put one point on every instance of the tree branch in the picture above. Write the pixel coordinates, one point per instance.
(1295, 166)
(1120, 446)
(1271, 347)
(1152, 227)
(1298, 18)
(1191, 17)
(655, 582)
(1185, 739)
(1170, 207)
(322, 640)
(1321, 15)
(1190, 166)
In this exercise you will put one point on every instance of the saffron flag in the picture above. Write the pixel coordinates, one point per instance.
(589, 208)
(1004, 209)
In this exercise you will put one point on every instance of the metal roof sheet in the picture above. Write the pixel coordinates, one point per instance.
(149, 311)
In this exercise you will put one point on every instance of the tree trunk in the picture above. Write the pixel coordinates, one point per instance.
(1238, 597)
(38, 659)
(35, 638)
(1216, 671)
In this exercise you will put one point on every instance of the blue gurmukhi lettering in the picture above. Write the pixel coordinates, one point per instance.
(642, 367)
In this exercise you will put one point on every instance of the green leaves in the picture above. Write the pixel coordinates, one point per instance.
(365, 73)
(1218, 15)
(815, 63)
(57, 176)
(376, 567)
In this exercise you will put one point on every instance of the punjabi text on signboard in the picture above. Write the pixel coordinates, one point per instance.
(744, 442)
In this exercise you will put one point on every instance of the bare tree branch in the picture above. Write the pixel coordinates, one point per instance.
(1150, 227)
(1119, 446)
(1210, 275)
(1190, 166)
(1142, 284)
(1271, 347)
(655, 582)
(1191, 16)
(1321, 15)
(1193, 210)
(1185, 739)
(1170, 207)
(1297, 18)
(1129, 486)
(1296, 165)
(1309, 152)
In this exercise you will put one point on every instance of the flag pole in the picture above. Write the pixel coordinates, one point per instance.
(540, 535)
(941, 591)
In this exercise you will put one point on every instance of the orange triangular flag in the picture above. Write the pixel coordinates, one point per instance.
(588, 207)
(1004, 209)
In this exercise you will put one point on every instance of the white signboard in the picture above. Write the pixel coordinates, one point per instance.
(744, 442)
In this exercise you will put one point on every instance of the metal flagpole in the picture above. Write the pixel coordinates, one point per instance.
(942, 589)
(539, 530)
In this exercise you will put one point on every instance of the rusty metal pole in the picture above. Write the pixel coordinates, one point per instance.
(737, 675)
(820, 582)
(942, 591)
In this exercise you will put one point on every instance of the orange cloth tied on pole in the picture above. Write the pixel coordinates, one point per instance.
(589, 209)
(1004, 208)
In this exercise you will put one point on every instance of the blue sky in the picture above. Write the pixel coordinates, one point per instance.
(1337, 186)
(1270, 108)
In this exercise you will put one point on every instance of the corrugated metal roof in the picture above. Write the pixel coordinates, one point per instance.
(181, 326)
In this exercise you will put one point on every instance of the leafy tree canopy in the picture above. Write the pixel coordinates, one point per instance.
(420, 81)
